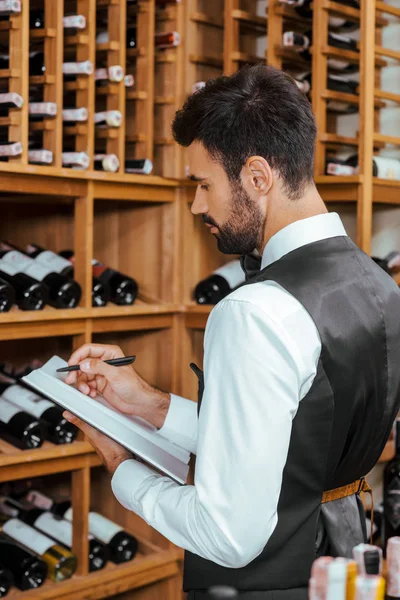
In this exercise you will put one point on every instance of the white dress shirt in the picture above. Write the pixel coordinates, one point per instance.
(261, 350)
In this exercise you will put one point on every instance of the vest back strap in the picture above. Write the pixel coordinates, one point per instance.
(356, 487)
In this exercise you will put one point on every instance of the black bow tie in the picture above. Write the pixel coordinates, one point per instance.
(251, 265)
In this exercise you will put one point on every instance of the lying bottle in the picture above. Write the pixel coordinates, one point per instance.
(141, 166)
(336, 83)
(29, 293)
(6, 580)
(76, 160)
(61, 563)
(28, 571)
(106, 162)
(301, 43)
(220, 283)
(304, 9)
(40, 156)
(167, 40)
(18, 427)
(382, 167)
(10, 100)
(10, 7)
(7, 296)
(111, 118)
(59, 430)
(100, 292)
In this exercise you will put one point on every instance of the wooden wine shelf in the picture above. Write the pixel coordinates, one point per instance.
(151, 564)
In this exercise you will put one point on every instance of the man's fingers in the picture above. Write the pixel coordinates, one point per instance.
(94, 366)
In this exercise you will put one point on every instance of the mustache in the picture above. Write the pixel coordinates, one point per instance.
(209, 220)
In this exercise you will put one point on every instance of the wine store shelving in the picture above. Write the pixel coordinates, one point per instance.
(142, 224)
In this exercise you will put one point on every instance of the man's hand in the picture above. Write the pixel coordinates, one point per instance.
(122, 387)
(110, 453)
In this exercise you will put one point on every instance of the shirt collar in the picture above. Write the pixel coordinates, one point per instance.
(300, 233)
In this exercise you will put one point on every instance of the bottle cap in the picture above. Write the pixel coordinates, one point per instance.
(372, 562)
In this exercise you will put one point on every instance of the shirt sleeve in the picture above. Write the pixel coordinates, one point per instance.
(253, 375)
(180, 425)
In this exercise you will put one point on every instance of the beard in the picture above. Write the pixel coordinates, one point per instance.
(242, 232)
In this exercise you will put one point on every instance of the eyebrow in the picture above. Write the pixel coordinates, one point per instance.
(194, 178)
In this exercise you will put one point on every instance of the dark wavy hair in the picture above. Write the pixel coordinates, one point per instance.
(257, 111)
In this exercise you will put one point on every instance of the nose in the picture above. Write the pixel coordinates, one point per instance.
(199, 205)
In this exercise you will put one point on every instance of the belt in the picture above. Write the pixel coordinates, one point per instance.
(361, 485)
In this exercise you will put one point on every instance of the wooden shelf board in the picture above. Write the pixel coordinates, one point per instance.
(146, 568)
(135, 52)
(381, 51)
(386, 191)
(107, 133)
(386, 8)
(48, 124)
(40, 34)
(250, 20)
(72, 86)
(42, 79)
(107, 46)
(246, 57)
(338, 189)
(167, 57)
(289, 14)
(386, 139)
(388, 452)
(111, 89)
(212, 61)
(350, 55)
(196, 315)
(136, 95)
(387, 96)
(50, 458)
(351, 14)
(204, 19)
(79, 39)
(349, 98)
(164, 100)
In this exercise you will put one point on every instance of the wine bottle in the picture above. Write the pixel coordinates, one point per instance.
(301, 43)
(50, 259)
(131, 37)
(391, 492)
(106, 162)
(61, 531)
(10, 148)
(10, 7)
(36, 64)
(61, 562)
(167, 40)
(112, 118)
(141, 166)
(40, 157)
(74, 22)
(393, 568)
(100, 292)
(42, 109)
(123, 289)
(129, 80)
(10, 100)
(304, 10)
(382, 167)
(19, 428)
(115, 73)
(121, 545)
(62, 292)
(29, 293)
(7, 296)
(220, 283)
(6, 580)
(28, 571)
(58, 429)
(70, 69)
(75, 114)
(76, 160)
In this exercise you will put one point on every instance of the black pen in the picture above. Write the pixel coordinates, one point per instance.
(115, 362)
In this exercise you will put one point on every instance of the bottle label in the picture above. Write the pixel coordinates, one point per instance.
(98, 268)
(80, 159)
(7, 410)
(12, 149)
(392, 504)
(341, 38)
(336, 169)
(113, 118)
(39, 500)
(40, 156)
(74, 22)
(338, 64)
(7, 268)
(78, 68)
(27, 536)
(109, 162)
(129, 80)
(42, 108)
(103, 529)
(29, 401)
(75, 114)
(336, 21)
(232, 272)
(53, 261)
(26, 265)
(10, 6)
(114, 73)
(59, 529)
(12, 98)
(388, 168)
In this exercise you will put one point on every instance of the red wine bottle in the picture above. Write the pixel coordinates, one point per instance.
(28, 571)
(123, 289)
(121, 544)
(6, 579)
(29, 293)
(167, 40)
(100, 292)
(61, 530)
(58, 429)
(19, 428)
(391, 493)
(62, 292)
(7, 296)
(220, 283)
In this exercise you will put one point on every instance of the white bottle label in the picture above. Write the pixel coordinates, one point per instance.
(78, 68)
(338, 64)
(109, 162)
(79, 159)
(7, 410)
(103, 529)
(29, 401)
(232, 272)
(114, 73)
(388, 168)
(74, 22)
(13, 149)
(26, 265)
(59, 529)
(40, 156)
(113, 118)
(53, 261)
(42, 108)
(10, 6)
(12, 98)
(39, 500)
(27, 536)
(337, 169)
(75, 114)
(7, 268)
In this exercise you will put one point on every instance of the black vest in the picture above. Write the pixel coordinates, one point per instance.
(344, 421)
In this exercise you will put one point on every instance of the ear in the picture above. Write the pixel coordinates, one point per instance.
(257, 175)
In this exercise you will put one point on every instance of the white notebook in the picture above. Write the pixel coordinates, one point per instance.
(134, 433)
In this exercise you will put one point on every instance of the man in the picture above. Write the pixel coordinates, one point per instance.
(301, 382)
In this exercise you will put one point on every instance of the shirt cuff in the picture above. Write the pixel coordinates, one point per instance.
(180, 425)
(127, 480)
